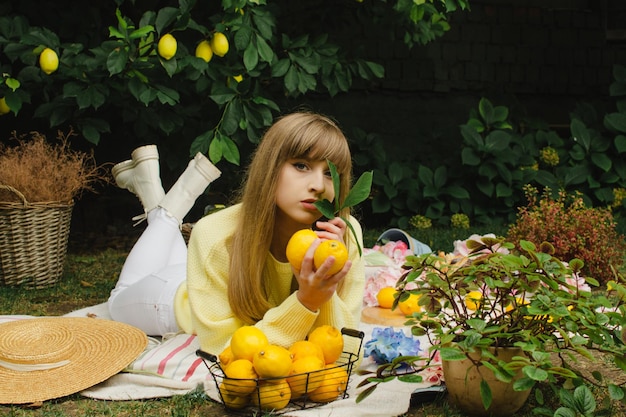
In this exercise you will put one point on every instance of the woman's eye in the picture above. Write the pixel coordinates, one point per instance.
(328, 174)
(300, 165)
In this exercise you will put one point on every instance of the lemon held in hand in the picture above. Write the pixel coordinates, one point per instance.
(332, 248)
(167, 46)
(48, 61)
(298, 245)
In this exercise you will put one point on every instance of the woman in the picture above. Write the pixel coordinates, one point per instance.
(237, 272)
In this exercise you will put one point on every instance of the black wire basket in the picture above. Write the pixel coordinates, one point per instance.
(275, 394)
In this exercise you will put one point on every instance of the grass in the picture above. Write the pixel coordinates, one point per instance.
(88, 277)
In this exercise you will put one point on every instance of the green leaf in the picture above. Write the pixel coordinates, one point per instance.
(265, 51)
(523, 384)
(564, 412)
(291, 79)
(250, 57)
(616, 392)
(326, 208)
(170, 65)
(451, 354)
(486, 111)
(534, 373)
(360, 191)
(485, 394)
(116, 61)
(201, 144)
(141, 32)
(215, 149)
(620, 143)
(497, 140)
(469, 157)
(221, 94)
(616, 121)
(584, 400)
(230, 150)
(167, 95)
(165, 17)
(279, 69)
(580, 133)
(242, 38)
(12, 83)
(602, 161)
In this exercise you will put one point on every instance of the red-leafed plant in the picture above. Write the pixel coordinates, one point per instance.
(575, 231)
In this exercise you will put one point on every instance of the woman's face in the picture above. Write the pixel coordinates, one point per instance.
(301, 183)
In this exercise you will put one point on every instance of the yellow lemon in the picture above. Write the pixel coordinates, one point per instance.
(304, 348)
(240, 377)
(226, 356)
(330, 339)
(332, 248)
(219, 44)
(247, 341)
(473, 300)
(333, 385)
(410, 305)
(305, 375)
(272, 396)
(204, 51)
(232, 399)
(48, 61)
(4, 108)
(167, 46)
(298, 245)
(272, 361)
(385, 297)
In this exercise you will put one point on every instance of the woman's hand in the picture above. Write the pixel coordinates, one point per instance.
(332, 229)
(316, 287)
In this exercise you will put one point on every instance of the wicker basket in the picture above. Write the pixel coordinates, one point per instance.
(33, 241)
(243, 404)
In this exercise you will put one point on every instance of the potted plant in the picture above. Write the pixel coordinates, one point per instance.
(39, 182)
(516, 317)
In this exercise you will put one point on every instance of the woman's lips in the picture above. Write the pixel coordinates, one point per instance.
(309, 204)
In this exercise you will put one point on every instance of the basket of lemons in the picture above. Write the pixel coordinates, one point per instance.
(251, 373)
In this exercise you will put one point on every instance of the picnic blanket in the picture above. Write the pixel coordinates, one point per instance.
(169, 365)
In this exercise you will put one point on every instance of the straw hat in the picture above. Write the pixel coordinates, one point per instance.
(51, 357)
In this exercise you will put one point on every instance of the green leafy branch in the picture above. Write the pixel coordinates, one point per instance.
(357, 194)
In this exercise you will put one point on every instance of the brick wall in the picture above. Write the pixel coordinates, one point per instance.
(540, 56)
(541, 47)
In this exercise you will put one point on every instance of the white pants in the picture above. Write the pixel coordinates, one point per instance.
(155, 267)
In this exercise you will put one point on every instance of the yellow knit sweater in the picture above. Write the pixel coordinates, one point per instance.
(202, 307)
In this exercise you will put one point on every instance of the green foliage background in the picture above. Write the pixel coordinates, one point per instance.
(116, 91)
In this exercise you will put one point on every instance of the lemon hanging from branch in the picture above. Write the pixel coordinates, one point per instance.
(167, 46)
(48, 61)
(204, 51)
(219, 44)
(359, 192)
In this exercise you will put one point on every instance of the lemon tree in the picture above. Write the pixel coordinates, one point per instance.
(110, 69)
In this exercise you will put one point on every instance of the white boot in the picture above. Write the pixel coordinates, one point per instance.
(141, 176)
(190, 185)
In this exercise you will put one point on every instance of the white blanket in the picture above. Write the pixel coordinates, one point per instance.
(171, 367)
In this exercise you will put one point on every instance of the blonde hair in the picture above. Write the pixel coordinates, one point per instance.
(297, 135)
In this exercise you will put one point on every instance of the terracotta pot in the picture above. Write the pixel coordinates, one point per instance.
(463, 383)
